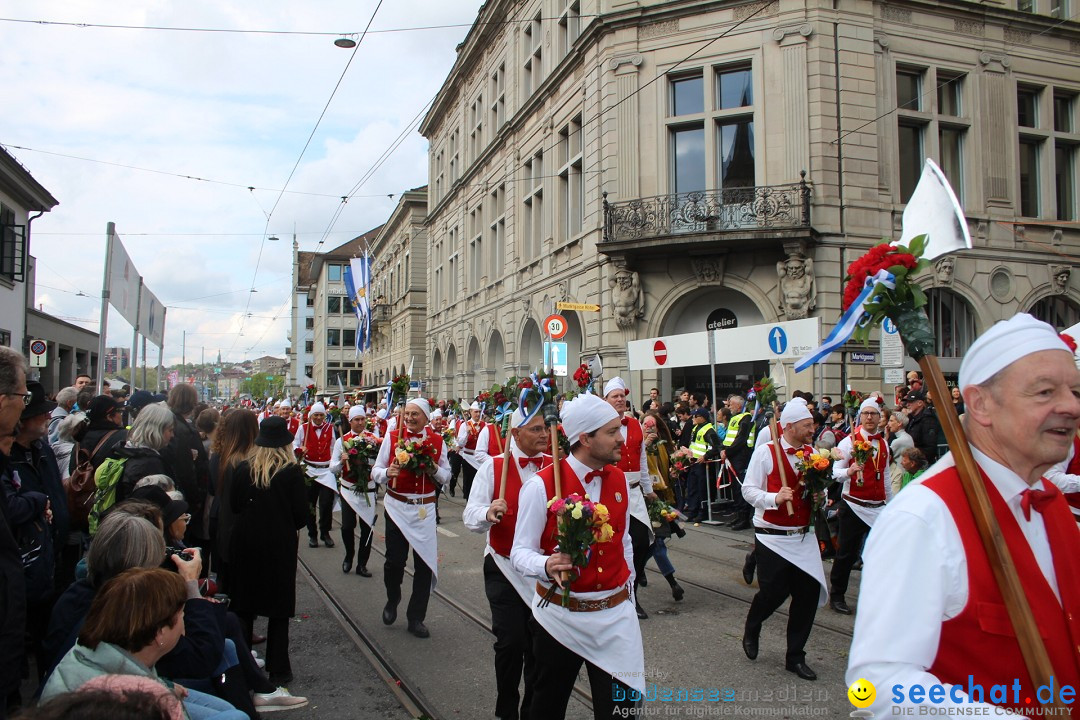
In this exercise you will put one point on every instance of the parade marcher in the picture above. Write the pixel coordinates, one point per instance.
(355, 502)
(598, 626)
(705, 446)
(788, 560)
(509, 593)
(410, 521)
(314, 444)
(926, 564)
(738, 447)
(634, 463)
(488, 444)
(468, 436)
(866, 490)
(453, 452)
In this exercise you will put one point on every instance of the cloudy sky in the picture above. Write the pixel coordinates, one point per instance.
(234, 108)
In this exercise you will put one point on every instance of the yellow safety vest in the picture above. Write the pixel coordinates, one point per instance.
(733, 431)
(698, 446)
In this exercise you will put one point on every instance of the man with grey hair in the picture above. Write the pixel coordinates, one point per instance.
(738, 447)
(13, 400)
(65, 401)
(13, 393)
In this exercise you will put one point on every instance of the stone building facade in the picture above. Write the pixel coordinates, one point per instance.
(674, 162)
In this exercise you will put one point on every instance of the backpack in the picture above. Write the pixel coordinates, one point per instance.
(107, 478)
(80, 485)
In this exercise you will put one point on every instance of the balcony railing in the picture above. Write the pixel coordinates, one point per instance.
(731, 209)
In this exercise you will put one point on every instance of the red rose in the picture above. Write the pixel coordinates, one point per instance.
(1068, 340)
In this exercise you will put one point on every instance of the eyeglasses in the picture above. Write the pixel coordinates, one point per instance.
(27, 398)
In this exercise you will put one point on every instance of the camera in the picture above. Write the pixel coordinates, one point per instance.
(185, 555)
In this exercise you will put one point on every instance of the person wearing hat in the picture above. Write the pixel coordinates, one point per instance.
(787, 556)
(314, 445)
(467, 438)
(738, 445)
(923, 425)
(704, 446)
(930, 610)
(599, 626)
(410, 517)
(509, 593)
(105, 430)
(270, 500)
(866, 489)
(138, 400)
(355, 502)
(634, 463)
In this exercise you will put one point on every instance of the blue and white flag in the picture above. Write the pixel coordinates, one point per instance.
(358, 285)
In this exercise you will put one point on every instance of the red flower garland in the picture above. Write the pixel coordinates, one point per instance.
(880, 257)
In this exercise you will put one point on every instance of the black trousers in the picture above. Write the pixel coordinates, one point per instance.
(556, 672)
(780, 579)
(348, 535)
(397, 552)
(697, 494)
(510, 618)
(455, 468)
(853, 532)
(277, 644)
(321, 497)
(639, 540)
(468, 473)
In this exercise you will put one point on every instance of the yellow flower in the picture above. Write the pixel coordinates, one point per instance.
(576, 512)
(821, 464)
(606, 533)
(402, 457)
(551, 502)
(600, 513)
(799, 454)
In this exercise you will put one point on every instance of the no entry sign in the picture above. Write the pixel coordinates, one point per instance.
(659, 350)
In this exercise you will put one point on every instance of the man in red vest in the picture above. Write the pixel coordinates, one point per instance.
(356, 502)
(635, 466)
(409, 505)
(866, 490)
(510, 595)
(314, 444)
(788, 561)
(930, 610)
(599, 626)
(1066, 474)
(468, 436)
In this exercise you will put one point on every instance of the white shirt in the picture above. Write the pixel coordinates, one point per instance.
(526, 555)
(901, 441)
(483, 491)
(1065, 483)
(757, 478)
(643, 477)
(868, 515)
(298, 441)
(915, 578)
(483, 452)
(383, 460)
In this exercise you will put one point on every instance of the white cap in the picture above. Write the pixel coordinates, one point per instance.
(794, 411)
(277, 404)
(381, 414)
(615, 383)
(870, 403)
(286, 403)
(436, 413)
(1005, 343)
(356, 411)
(584, 414)
(518, 417)
(475, 405)
(423, 405)
(317, 408)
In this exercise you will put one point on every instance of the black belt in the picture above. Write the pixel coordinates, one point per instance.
(864, 503)
(775, 531)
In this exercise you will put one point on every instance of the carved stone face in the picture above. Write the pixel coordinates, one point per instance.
(795, 268)
(624, 280)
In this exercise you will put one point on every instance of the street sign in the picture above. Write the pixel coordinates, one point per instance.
(556, 351)
(555, 326)
(894, 376)
(892, 347)
(582, 307)
(659, 352)
(788, 340)
(862, 357)
(38, 350)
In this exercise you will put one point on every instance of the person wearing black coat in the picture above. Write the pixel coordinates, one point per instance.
(143, 451)
(923, 425)
(105, 415)
(189, 461)
(269, 497)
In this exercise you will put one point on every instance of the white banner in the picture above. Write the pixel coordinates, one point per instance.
(787, 340)
(151, 318)
(123, 281)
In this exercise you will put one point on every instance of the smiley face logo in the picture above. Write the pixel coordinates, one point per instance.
(862, 693)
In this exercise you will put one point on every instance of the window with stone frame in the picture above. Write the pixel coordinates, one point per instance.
(933, 121)
(532, 221)
(571, 180)
(497, 232)
(532, 43)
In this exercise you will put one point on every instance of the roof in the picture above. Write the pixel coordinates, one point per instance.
(353, 247)
(303, 265)
(18, 181)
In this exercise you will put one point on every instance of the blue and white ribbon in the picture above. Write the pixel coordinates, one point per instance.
(849, 321)
(540, 388)
(390, 396)
(502, 411)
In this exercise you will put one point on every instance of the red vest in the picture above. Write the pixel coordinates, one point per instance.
(607, 569)
(984, 623)
(631, 452)
(1073, 468)
(409, 482)
(316, 448)
(802, 506)
(873, 471)
(294, 424)
(495, 440)
(501, 535)
(474, 434)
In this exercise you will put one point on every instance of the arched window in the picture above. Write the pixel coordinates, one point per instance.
(952, 320)
(1058, 310)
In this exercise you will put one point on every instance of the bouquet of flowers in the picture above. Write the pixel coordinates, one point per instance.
(583, 377)
(580, 524)
(660, 512)
(861, 452)
(816, 469)
(415, 456)
(852, 400)
(399, 389)
(449, 438)
(764, 392)
(360, 453)
(681, 460)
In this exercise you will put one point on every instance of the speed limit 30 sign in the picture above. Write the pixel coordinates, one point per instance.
(555, 326)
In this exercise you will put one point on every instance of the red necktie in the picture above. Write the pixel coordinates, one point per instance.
(1038, 499)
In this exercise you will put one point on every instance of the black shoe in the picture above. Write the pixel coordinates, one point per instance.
(676, 590)
(643, 581)
(839, 606)
(750, 643)
(802, 670)
(346, 566)
(642, 615)
(389, 614)
(419, 629)
(748, 568)
(857, 566)
(452, 493)
(678, 530)
(740, 524)
(327, 540)
(362, 571)
(312, 541)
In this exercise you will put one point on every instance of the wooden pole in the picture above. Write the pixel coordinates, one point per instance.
(502, 480)
(555, 461)
(778, 456)
(1032, 648)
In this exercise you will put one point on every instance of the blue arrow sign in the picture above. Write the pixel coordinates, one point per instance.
(888, 326)
(778, 340)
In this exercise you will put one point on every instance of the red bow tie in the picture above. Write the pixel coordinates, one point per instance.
(1038, 499)
(625, 421)
(792, 450)
(526, 461)
(594, 475)
(875, 436)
